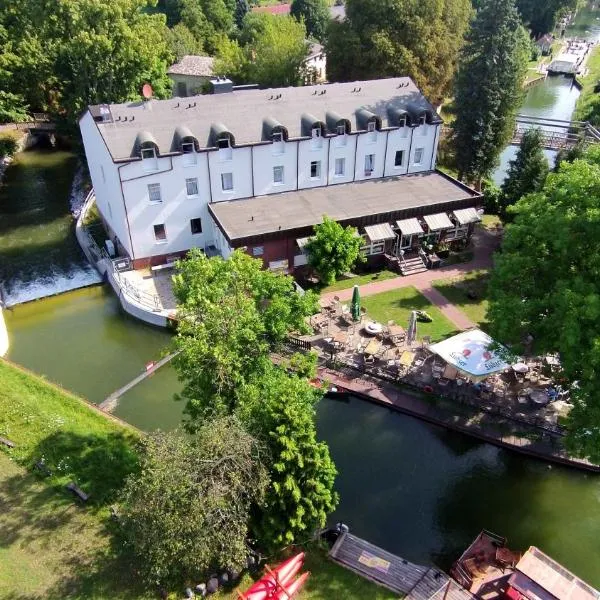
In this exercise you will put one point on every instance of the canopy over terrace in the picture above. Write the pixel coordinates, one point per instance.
(471, 352)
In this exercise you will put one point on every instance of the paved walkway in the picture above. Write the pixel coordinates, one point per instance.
(485, 243)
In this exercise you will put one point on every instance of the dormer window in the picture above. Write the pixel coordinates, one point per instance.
(189, 153)
(149, 160)
(316, 132)
(278, 137)
(422, 119)
(148, 153)
(341, 130)
(224, 143)
(371, 126)
(187, 148)
(402, 122)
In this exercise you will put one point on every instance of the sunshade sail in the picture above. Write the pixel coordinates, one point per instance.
(438, 221)
(464, 216)
(380, 233)
(409, 226)
(470, 352)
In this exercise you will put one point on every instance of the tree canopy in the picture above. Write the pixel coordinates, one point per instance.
(187, 510)
(541, 15)
(546, 284)
(61, 56)
(489, 87)
(527, 172)
(333, 250)
(271, 51)
(418, 38)
(315, 14)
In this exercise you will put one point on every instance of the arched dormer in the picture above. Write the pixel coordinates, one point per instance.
(146, 148)
(274, 131)
(367, 120)
(220, 137)
(312, 127)
(184, 140)
(336, 124)
(418, 114)
(399, 117)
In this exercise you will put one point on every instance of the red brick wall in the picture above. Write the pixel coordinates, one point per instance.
(276, 250)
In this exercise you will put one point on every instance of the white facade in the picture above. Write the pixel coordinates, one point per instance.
(158, 205)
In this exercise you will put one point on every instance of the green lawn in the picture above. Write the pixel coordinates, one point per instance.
(586, 108)
(458, 291)
(396, 305)
(344, 284)
(51, 547)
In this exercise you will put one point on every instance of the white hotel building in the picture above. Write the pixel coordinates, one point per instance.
(259, 168)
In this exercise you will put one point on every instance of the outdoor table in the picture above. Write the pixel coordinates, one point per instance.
(407, 358)
(520, 367)
(373, 327)
(372, 347)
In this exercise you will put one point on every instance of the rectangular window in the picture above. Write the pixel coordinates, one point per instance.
(149, 160)
(371, 126)
(227, 182)
(154, 192)
(277, 174)
(422, 119)
(258, 250)
(369, 163)
(316, 132)
(191, 187)
(399, 158)
(278, 137)
(148, 153)
(160, 233)
(223, 143)
(189, 154)
(341, 130)
(418, 156)
(196, 226)
(402, 122)
(315, 169)
(340, 166)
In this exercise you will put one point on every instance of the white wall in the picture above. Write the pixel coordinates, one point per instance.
(264, 158)
(370, 143)
(219, 240)
(398, 139)
(423, 136)
(240, 165)
(105, 179)
(307, 153)
(176, 209)
(339, 149)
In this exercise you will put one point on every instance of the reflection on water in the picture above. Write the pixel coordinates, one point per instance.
(425, 493)
(586, 23)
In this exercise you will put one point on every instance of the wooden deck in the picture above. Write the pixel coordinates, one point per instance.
(415, 582)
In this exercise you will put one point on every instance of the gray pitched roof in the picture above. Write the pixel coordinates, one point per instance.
(242, 112)
(202, 66)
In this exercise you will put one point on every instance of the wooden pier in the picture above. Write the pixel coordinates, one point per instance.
(415, 582)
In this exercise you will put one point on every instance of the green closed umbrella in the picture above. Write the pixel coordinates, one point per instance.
(355, 306)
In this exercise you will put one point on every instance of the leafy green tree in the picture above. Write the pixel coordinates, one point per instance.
(546, 284)
(71, 53)
(233, 313)
(418, 38)
(315, 14)
(569, 155)
(242, 8)
(527, 172)
(280, 410)
(188, 508)
(12, 108)
(489, 87)
(333, 250)
(541, 15)
(182, 42)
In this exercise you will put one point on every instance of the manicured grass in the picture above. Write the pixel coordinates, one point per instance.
(396, 305)
(53, 548)
(344, 284)
(458, 291)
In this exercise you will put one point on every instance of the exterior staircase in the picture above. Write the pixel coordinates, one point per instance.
(412, 266)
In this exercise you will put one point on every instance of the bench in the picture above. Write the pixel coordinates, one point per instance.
(6, 442)
(77, 491)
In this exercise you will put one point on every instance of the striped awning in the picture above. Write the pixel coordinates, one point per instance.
(409, 226)
(438, 221)
(380, 233)
(302, 242)
(464, 216)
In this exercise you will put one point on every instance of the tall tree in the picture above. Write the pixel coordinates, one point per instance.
(71, 53)
(546, 284)
(242, 8)
(182, 41)
(489, 87)
(541, 15)
(315, 14)
(333, 250)
(527, 172)
(188, 508)
(418, 38)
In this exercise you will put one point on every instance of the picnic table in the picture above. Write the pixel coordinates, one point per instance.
(372, 347)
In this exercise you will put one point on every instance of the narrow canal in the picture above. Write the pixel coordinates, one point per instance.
(412, 488)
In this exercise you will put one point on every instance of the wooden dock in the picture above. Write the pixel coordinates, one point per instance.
(111, 401)
(415, 582)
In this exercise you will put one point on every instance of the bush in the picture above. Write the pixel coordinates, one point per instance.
(9, 143)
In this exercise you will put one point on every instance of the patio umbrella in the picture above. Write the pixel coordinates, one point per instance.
(355, 305)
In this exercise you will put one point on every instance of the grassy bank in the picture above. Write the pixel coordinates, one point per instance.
(588, 103)
(53, 548)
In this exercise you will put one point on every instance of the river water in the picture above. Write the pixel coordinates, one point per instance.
(414, 489)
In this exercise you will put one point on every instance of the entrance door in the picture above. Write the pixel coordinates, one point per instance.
(406, 242)
(181, 89)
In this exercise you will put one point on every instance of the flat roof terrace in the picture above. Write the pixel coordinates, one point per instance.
(358, 204)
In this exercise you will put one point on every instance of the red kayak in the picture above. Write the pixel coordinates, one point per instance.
(283, 574)
(291, 589)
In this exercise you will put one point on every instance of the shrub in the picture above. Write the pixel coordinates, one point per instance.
(9, 143)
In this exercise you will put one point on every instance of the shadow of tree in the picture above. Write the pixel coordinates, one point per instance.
(469, 292)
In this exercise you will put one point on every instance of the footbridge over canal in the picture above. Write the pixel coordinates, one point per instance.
(557, 134)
